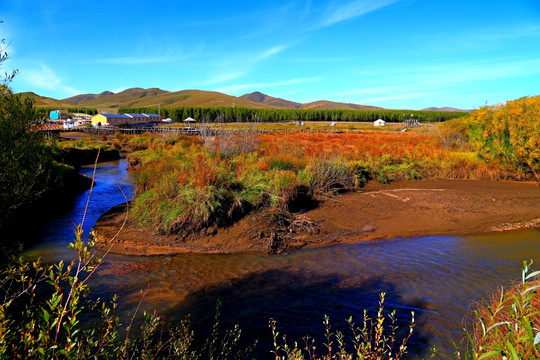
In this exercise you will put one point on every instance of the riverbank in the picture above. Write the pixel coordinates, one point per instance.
(401, 209)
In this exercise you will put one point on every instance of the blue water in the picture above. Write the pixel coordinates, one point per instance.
(437, 277)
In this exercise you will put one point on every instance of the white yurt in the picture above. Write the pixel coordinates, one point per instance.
(379, 122)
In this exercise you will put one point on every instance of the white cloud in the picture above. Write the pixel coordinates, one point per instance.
(338, 13)
(43, 77)
(269, 52)
(422, 79)
(225, 76)
(396, 97)
(135, 60)
(140, 57)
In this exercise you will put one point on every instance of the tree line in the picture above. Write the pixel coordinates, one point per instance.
(42, 113)
(241, 114)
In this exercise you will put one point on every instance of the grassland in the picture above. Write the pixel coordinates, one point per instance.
(189, 186)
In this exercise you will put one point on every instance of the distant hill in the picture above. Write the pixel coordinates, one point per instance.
(197, 98)
(139, 97)
(444, 109)
(330, 105)
(43, 101)
(108, 101)
(260, 98)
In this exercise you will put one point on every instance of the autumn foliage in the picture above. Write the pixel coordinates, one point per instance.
(185, 186)
(510, 133)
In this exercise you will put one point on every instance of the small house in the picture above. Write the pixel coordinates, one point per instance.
(379, 122)
(54, 115)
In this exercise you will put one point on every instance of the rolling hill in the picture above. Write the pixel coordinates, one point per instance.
(138, 97)
(108, 101)
(330, 105)
(43, 101)
(446, 108)
(260, 98)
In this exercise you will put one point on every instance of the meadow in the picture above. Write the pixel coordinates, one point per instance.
(187, 184)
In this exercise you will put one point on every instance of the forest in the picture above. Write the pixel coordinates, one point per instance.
(241, 114)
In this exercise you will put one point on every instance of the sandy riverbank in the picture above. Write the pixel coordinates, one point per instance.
(403, 209)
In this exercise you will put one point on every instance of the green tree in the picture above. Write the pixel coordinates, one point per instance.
(26, 166)
(25, 160)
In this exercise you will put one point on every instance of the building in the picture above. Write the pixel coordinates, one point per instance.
(153, 117)
(54, 115)
(137, 119)
(111, 120)
(125, 119)
(379, 122)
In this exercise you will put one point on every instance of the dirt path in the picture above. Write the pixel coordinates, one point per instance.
(405, 209)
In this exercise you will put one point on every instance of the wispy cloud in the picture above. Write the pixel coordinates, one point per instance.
(441, 80)
(341, 12)
(322, 60)
(396, 97)
(141, 57)
(259, 86)
(477, 71)
(225, 76)
(136, 60)
(269, 52)
(44, 78)
(238, 66)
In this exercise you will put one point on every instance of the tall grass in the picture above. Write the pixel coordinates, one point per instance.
(186, 185)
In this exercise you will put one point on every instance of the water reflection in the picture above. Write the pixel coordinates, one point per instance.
(436, 276)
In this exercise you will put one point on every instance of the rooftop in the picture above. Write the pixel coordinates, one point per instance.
(115, 116)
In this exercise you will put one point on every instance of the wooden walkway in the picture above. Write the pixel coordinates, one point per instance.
(111, 130)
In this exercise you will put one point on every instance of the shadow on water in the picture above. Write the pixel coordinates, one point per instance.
(298, 304)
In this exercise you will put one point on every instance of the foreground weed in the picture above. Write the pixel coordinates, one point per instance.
(509, 328)
(374, 340)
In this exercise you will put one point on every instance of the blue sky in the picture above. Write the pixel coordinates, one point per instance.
(391, 53)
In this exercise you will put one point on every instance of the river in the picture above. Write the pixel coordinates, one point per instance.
(437, 277)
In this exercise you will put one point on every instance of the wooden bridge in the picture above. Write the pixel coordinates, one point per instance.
(136, 130)
(55, 131)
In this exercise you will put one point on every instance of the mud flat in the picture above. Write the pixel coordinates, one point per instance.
(402, 209)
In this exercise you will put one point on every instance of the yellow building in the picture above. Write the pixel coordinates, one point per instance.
(111, 120)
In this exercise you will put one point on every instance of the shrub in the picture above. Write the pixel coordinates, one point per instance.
(230, 143)
(327, 175)
(509, 132)
(508, 326)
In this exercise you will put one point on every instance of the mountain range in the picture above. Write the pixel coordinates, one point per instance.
(108, 101)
